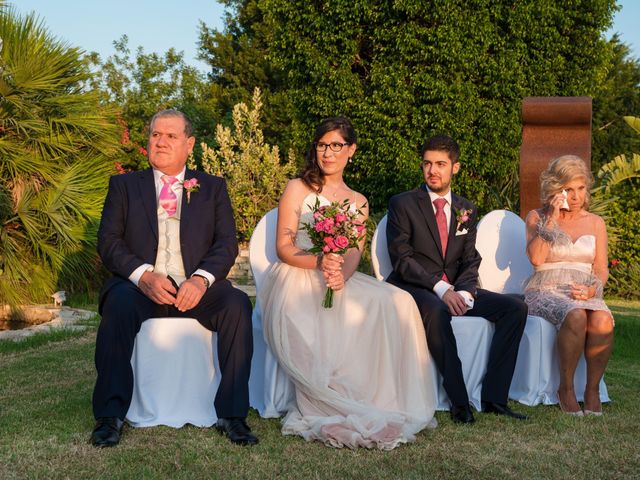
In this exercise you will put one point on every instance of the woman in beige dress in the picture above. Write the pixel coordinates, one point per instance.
(567, 246)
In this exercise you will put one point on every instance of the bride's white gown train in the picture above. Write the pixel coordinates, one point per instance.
(361, 370)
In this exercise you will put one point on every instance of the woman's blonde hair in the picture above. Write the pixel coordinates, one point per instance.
(561, 171)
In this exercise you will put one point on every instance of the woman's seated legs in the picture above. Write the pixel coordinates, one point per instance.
(571, 341)
(598, 347)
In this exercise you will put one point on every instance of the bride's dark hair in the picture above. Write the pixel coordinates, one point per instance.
(311, 174)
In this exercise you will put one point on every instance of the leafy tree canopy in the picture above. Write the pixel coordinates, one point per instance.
(57, 145)
(404, 70)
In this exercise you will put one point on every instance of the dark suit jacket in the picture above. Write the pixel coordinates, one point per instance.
(128, 234)
(414, 243)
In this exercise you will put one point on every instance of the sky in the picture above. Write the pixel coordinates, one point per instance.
(158, 25)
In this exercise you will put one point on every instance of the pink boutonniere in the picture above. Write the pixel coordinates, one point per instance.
(463, 217)
(191, 185)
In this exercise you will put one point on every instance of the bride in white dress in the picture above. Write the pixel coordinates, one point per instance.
(361, 369)
(567, 246)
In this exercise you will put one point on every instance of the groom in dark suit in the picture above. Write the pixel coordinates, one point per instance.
(431, 233)
(161, 228)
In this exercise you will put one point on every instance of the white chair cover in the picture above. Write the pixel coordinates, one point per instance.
(270, 390)
(473, 334)
(175, 378)
(501, 242)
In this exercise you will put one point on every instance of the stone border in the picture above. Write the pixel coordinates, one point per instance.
(66, 318)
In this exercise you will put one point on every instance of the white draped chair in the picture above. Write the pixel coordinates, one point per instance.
(501, 241)
(270, 389)
(176, 374)
(473, 334)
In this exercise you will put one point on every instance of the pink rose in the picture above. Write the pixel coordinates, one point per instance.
(341, 242)
(330, 243)
(326, 249)
(319, 227)
(317, 215)
(328, 225)
(340, 217)
(464, 218)
(360, 228)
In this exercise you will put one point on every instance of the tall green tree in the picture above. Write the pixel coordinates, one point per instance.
(404, 70)
(140, 84)
(239, 60)
(57, 144)
(619, 96)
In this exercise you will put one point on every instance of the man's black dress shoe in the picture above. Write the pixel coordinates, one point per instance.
(237, 430)
(461, 414)
(107, 432)
(490, 407)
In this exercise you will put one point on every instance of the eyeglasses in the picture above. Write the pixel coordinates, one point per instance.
(334, 146)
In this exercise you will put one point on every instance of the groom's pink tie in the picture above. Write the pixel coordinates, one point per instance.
(168, 199)
(441, 220)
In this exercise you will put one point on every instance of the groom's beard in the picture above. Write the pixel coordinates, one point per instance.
(439, 186)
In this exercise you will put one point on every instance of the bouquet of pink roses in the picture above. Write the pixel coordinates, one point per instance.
(335, 229)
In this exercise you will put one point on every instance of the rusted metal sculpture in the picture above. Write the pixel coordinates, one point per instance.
(551, 126)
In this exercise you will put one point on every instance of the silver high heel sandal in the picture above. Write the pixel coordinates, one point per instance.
(578, 413)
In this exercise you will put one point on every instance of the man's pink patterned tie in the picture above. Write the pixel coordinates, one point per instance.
(168, 199)
(441, 220)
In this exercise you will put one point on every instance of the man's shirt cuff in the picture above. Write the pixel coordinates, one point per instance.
(137, 273)
(468, 298)
(205, 274)
(441, 288)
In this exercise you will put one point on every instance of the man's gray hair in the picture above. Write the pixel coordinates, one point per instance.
(171, 112)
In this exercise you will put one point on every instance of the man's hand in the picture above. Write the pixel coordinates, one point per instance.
(191, 292)
(455, 302)
(158, 288)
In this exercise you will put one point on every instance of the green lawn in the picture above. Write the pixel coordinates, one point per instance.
(45, 423)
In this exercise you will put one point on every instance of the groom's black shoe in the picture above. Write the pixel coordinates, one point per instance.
(237, 430)
(107, 432)
(461, 414)
(498, 409)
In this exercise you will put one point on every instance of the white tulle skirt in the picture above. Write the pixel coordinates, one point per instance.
(361, 369)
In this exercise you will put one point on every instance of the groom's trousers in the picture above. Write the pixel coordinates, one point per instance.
(507, 312)
(223, 309)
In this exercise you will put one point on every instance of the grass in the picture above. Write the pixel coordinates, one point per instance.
(46, 420)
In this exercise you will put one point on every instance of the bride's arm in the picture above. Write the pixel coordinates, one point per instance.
(352, 257)
(288, 219)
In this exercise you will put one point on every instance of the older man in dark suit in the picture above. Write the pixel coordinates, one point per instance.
(431, 234)
(168, 236)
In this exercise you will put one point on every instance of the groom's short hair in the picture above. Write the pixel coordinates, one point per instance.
(442, 143)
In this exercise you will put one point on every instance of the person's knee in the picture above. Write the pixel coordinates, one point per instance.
(239, 302)
(518, 308)
(600, 323)
(437, 316)
(576, 321)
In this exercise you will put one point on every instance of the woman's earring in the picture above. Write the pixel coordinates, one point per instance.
(349, 160)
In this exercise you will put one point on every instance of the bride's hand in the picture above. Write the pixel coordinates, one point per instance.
(331, 262)
(334, 280)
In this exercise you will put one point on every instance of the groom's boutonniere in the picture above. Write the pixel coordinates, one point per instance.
(463, 217)
(191, 186)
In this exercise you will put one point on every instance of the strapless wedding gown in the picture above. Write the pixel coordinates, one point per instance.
(361, 369)
(547, 292)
